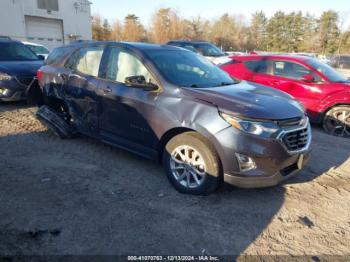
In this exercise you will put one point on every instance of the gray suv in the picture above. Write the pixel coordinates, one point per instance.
(173, 106)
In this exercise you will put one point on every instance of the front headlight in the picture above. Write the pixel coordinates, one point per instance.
(5, 77)
(265, 129)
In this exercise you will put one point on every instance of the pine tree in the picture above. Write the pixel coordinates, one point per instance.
(258, 31)
(328, 32)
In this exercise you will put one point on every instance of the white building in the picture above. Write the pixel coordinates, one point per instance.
(49, 22)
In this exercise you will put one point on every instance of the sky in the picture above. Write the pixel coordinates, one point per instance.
(118, 9)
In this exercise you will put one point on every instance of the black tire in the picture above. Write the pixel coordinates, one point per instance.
(211, 180)
(333, 122)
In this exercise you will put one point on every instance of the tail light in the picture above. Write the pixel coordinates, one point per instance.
(39, 74)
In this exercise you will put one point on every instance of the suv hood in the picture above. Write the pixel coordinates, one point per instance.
(250, 100)
(20, 68)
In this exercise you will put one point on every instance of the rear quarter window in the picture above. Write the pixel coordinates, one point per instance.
(57, 55)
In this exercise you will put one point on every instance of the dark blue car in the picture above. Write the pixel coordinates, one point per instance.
(18, 68)
(174, 106)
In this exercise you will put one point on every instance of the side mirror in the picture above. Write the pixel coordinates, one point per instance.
(309, 78)
(41, 57)
(140, 82)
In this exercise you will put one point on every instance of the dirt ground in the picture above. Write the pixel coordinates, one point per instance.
(83, 197)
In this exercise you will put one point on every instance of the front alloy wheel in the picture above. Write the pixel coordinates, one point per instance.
(188, 166)
(192, 164)
(337, 121)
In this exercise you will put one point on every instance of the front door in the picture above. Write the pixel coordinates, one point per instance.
(126, 111)
(287, 76)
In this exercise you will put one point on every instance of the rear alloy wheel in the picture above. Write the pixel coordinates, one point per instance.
(337, 121)
(191, 164)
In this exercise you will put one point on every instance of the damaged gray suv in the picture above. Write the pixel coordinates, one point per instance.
(173, 106)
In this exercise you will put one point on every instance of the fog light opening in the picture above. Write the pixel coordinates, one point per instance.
(246, 163)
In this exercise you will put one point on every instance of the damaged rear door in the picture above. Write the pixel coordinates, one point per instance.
(80, 88)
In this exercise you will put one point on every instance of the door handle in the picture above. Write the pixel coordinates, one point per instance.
(107, 90)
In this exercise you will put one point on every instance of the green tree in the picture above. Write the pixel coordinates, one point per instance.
(257, 32)
(295, 31)
(328, 32)
(277, 39)
(310, 41)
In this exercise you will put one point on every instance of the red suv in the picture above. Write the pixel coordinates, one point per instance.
(323, 91)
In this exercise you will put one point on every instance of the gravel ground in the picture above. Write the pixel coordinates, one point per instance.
(83, 197)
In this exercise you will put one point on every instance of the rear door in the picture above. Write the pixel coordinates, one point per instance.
(81, 85)
(126, 111)
(259, 71)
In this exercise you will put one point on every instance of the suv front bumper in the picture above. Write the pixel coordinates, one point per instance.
(267, 181)
(274, 163)
(14, 90)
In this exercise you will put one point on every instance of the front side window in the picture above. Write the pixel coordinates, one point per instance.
(17, 52)
(122, 64)
(292, 70)
(86, 60)
(187, 69)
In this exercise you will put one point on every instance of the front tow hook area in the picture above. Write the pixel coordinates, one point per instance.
(53, 121)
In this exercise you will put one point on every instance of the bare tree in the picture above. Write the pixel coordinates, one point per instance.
(133, 30)
(117, 31)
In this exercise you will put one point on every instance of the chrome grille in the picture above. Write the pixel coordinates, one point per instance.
(297, 140)
(289, 122)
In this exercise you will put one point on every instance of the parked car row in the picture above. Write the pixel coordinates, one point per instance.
(172, 105)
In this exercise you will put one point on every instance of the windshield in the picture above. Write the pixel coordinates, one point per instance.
(16, 51)
(207, 49)
(326, 70)
(184, 68)
(39, 49)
